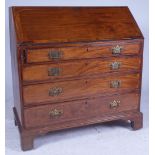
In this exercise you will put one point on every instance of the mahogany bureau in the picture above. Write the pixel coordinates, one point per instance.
(74, 66)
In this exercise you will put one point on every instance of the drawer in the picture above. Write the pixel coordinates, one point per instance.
(68, 90)
(79, 68)
(67, 53)
(82, 109)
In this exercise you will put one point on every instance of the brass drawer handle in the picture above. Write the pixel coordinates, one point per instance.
(115, 65)
(55, 54)
(54, 71)
(55, 113)
(55, 91)
(115, 84)
(114, 104)
(117, 49)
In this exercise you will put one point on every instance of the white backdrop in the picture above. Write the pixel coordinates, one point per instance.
(139, 9)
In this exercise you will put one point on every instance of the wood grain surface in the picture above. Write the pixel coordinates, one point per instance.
(34, 73)
(72, 53)
(70, 24)
(75, 89)
(82, 109)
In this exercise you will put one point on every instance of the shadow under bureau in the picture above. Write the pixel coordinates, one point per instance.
(74, 66)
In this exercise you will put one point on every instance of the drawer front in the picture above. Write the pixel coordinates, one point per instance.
(68, 90)
(82, 109)
(79, 68)
(66, 53)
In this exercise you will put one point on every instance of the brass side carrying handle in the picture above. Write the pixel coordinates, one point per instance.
(115, 65)
(115, 84)
(55, 113)
(55, 91)
(117, 49)
(55, 54)
(54, 71)
(114, 104)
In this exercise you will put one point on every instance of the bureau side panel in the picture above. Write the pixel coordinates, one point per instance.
(141, 70)
(15, 68)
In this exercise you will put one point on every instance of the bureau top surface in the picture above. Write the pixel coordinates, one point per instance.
(73, 24)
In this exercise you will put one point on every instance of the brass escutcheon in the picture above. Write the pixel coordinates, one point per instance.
(55, 54)
(117, 49)
(115, 65)
(55, 91)
(54, 71)
(55, 113)
(115, 84)
(114, 104)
